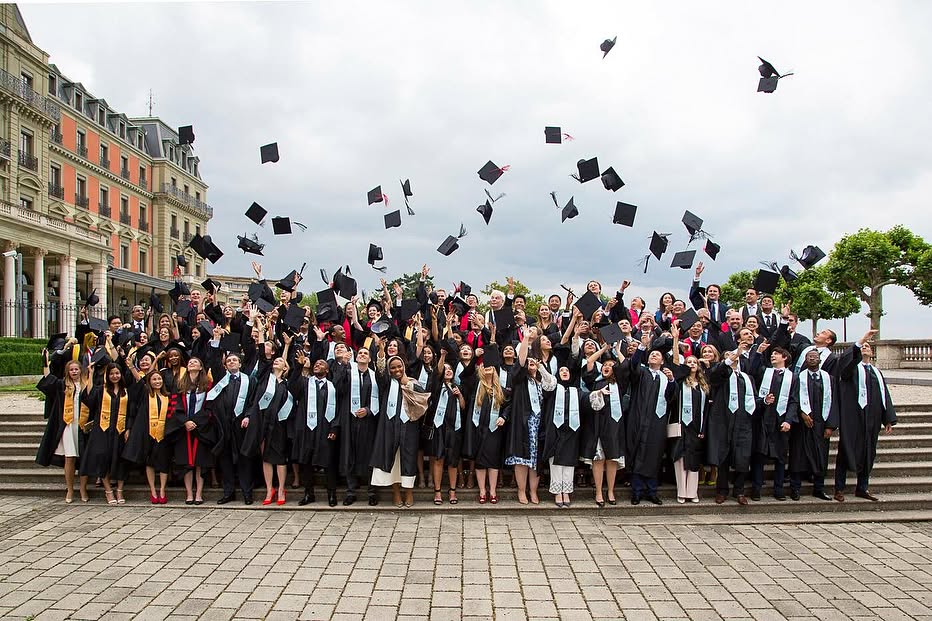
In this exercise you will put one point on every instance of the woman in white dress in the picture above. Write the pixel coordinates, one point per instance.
(66, 417)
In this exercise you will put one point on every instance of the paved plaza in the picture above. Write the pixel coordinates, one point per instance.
(93, 561)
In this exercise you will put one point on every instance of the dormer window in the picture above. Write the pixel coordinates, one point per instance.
(78, 101)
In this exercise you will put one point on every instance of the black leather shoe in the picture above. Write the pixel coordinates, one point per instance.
(350, 499)
(635, 500)
(794, 494)
(225, 500)
(373, 501)
(332, 498)
(866, 495)
(821, 495)
(755, 494)
(247, 500)
(655, 499)
(781, 497)
(306, 499)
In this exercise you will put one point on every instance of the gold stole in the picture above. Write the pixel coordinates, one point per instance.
(68, 410)
(409, 331)
(367, 343)
(157, 417)
(105, 409)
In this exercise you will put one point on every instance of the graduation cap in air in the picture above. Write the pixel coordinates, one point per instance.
(155, 302)
(624, 214)
(260, 291)
(611, 180)
(344, 283)
(788, 274)
(504, 318)
(553, 197)
(463, 289)
(712, 249)
(179, 289)
(289, 282)
(766, 281)
(181, 260)
(250, 244)
(768, 77)
(100, 357)
(569, 211)
(588, 304)
(211, 286)
(294, 316)
(186, 134)
(607, 46)
(407, 193)
(658, 246)
(490, 172)
(553, 135)
(98, 325)
(393, 219)
(491, 356)
(183, 308)
(375, 254)
(408, 309)
(451, 243)
(56, 341)
(611, 333)
(93, 299)
(230, 342)
(327, 308)
(588, 170)
(486, 210)
(494, 199)
(683, 259)
(375, 195)
(693, 223)
(205, 247)
(269, 153)
(688, 318)
(284, 226)
(810, 256)
(256, 213)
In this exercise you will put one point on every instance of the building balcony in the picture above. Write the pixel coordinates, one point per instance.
(82, 150)
(105, 163)
(5, 149)
(104, 210)
(143, 184)
(28, 161)
(56, 137)
(81, 201)
(125, 218)
(186, 238)
(143, 226)
(175, 233)
(56, 190)
(51, 225)
(15, 85)
(199, 206)
(125, 174)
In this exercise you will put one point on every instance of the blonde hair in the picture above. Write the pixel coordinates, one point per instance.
(491, 387)
(82, 379)
(700, 377)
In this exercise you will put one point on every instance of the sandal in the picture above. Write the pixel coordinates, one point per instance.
(453, 499)
(119, 497)
(110, 499)
(493, 500)
(482, 499)
(438, 497)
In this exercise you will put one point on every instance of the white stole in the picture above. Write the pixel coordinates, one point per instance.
(614, 399)
(661, 408)
(559, 407)
(356, 386)
(394, 398)
(240, 397)
(804, 401)
(862, 386)
(749, 404)
(493, 413)
(785, 384)
(331, 407)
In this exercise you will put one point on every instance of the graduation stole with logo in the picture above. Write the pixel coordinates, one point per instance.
(68, 411)
(105, 409)
(158, 412)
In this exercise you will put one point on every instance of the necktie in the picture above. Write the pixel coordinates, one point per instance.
(815, 377)
(715, 311)
(769, 321)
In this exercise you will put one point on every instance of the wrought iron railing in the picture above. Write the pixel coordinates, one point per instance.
(5, 148)
(143, 184)
(125, 218)
(104, 210)
(15, 85)
(82, 150)
(205, 209)
(144, 226)
(124, 173)
(56, 190)
(104, 163)
(175, 233)
(28, 161)
(81, 201)
(56, 137)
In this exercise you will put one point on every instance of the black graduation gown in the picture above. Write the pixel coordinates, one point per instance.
(54, 390)
(233, 438)
(141, 448)
(358, 434)
(517, 438)
(445, 441)
(193, 448)
(646, 433)
(273, 437)
(769, 441)
(728, 434)
(562, 444)
(102, 452)
(394, 434)
(809, 447)
(688, 445)
(859, 428)
(599, 426)
(311, 447)
(483, 446)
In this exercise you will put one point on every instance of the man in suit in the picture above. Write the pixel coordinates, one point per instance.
(726, 340)
(711, 301)
(751, 304)
(768, 319)
(798, 342)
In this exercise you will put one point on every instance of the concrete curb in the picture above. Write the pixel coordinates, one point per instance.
(16, 380)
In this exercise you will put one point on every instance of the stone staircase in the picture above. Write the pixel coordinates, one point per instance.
(902, 478)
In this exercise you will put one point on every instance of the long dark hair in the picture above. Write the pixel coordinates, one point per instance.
(121, 385)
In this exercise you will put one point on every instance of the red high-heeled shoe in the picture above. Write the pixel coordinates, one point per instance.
(154, 500)
(269, 500)
(281, 498)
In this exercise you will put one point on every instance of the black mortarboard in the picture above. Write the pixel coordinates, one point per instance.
(490, 172)
(375, 254)
(553, 135)
(588, 304)
(281, 225)
(683, 259)
(697, 297)
(569, 211)
(230, 342)
(486, 210)
(375, 195)
(264, 305)
(186, 134)
(93, 299)
(56, 341)
(204, 246)
(155, 303)
(658, 245)
(205, 328)
(588, 170)
(811, 255)
(688, 318)
(766, 69)
(406, 188)
(96, 324)
(183, 308)
(611, 180)
(127, 337)
(250, 245)
(491, 356)
(611, 333)
(289, 282)
(766, 281)
(407, 310)
(504, 318)
(178, 289)
(449, 246)
(269, 152)
(326, 306)
(344, 285)
(767, 85)
(100, 357)
(459, 305)
(624, 214)
(692, 222)
(711, 249)
(294, 316)
(393, 219)
(464, 289)
(260, 291)
(380, 326)
(788, 274)
(211, 286)
(607, 46)
(256, 213)
(181, 260)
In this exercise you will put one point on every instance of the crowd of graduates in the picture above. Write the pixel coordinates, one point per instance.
(431, 390)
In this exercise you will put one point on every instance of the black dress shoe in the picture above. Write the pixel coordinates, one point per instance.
(655, 499)
(332, 498)
(247, 500)
(866, 495)
(821, 495)
(755, 494)
(780, 497)
(350, 499)
(635, 500)
(225, 500)
(794, 494)
(306, 499)
(373, 501)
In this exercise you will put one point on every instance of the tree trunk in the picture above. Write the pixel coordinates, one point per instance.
(875, 304)
(815, 327)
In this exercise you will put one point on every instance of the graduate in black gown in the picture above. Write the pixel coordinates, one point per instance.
(603, 425)
(486, 414)
(813, 414)
(864, 408)
(65, 416)
(685, 441)
(270, 411)
(771, 426)
(358, 392)
(561, 436)
(149, 442)
(200, 434)
(316, 425)
(106, 432)
(445, 422)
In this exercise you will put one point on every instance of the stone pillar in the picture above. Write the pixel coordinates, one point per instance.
(9, 292)
(68, 294)
(99, 282)
(39, 294)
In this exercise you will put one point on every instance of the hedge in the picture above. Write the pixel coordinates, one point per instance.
(20, 363)
(12, 348)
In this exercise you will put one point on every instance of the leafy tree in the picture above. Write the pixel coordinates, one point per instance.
(812, 300)
(308, 299)
(733, 289)
(409, 283)
(534, 300)
(867, 261)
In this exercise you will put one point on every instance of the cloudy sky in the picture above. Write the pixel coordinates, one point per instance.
(359, 94)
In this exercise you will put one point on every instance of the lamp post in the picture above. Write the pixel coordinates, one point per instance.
(18, 257)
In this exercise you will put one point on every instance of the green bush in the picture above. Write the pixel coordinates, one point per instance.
(20, 363)
(12, 348)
